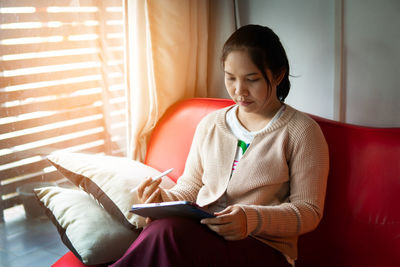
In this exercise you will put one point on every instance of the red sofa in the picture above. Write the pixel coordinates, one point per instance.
(361, 223)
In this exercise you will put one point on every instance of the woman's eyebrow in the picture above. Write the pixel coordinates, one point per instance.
(248, 74)
(252, 73)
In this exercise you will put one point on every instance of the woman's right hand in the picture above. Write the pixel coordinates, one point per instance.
(148, 191)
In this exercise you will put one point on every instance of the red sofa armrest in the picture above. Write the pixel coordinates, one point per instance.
(69, 260)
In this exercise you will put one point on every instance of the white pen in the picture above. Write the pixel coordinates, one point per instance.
(158, 177)
(162, 174)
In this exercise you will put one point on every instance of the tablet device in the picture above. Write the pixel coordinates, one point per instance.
(169, 209)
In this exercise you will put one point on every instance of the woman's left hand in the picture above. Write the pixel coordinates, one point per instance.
(230, 223)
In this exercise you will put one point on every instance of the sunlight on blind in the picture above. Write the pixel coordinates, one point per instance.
(61, 85)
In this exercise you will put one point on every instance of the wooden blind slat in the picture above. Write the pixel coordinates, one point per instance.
(116, 52)
(44, 47)
(93, 150)
(118, 119)
(114, 29)
(116, 80)
(58, 117)
(28, 138)
(120, 132)
(64, 31)
(43, 16)
(59, 75)
(116, 68)
(46, 3)
(66, 88)
(47, 149)
(118, 150)
(116, 94)
(25, 169)
(118, 106)
(112, 16)
(48, 61)
(8, 203)
(115, 42)
(53, 105)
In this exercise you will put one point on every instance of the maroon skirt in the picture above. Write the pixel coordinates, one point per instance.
(184, 242)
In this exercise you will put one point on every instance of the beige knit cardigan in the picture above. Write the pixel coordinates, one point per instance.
(280, 182)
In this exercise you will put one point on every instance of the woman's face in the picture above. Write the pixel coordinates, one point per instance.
(246, 84)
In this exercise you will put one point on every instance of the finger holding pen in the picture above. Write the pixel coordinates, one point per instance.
(148, 191)
(154, 197)
(154, 178)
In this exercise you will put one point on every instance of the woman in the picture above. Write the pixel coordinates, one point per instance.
(260, 166)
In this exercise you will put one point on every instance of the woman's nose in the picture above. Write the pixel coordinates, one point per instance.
(241, 89)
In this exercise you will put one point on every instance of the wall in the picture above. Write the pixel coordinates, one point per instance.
(372, 55)
(221, 25)
(344, 55)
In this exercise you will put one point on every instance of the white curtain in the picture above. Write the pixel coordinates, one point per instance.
(168, 59)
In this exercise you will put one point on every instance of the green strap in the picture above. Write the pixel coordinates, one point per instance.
(243, 146)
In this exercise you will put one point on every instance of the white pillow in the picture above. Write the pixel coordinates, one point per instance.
(92, 234)
(109, 180)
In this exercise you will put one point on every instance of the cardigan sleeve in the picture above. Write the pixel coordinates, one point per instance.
(308, 162)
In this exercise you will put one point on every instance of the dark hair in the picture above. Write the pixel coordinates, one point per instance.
(265, 50)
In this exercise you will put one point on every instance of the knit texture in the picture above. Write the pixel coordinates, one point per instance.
(280, 182)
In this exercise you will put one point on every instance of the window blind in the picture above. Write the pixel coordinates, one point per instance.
(61, 86)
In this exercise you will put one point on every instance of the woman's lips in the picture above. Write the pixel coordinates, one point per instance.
(244, 103)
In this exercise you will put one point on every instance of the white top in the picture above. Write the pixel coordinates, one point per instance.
(244, 136)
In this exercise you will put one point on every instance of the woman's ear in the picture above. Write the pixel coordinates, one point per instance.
(279, 77)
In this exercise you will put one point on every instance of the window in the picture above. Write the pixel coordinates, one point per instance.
(61, 86)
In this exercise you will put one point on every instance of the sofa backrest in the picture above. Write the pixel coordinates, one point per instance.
(170, 141)
(361, 223)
